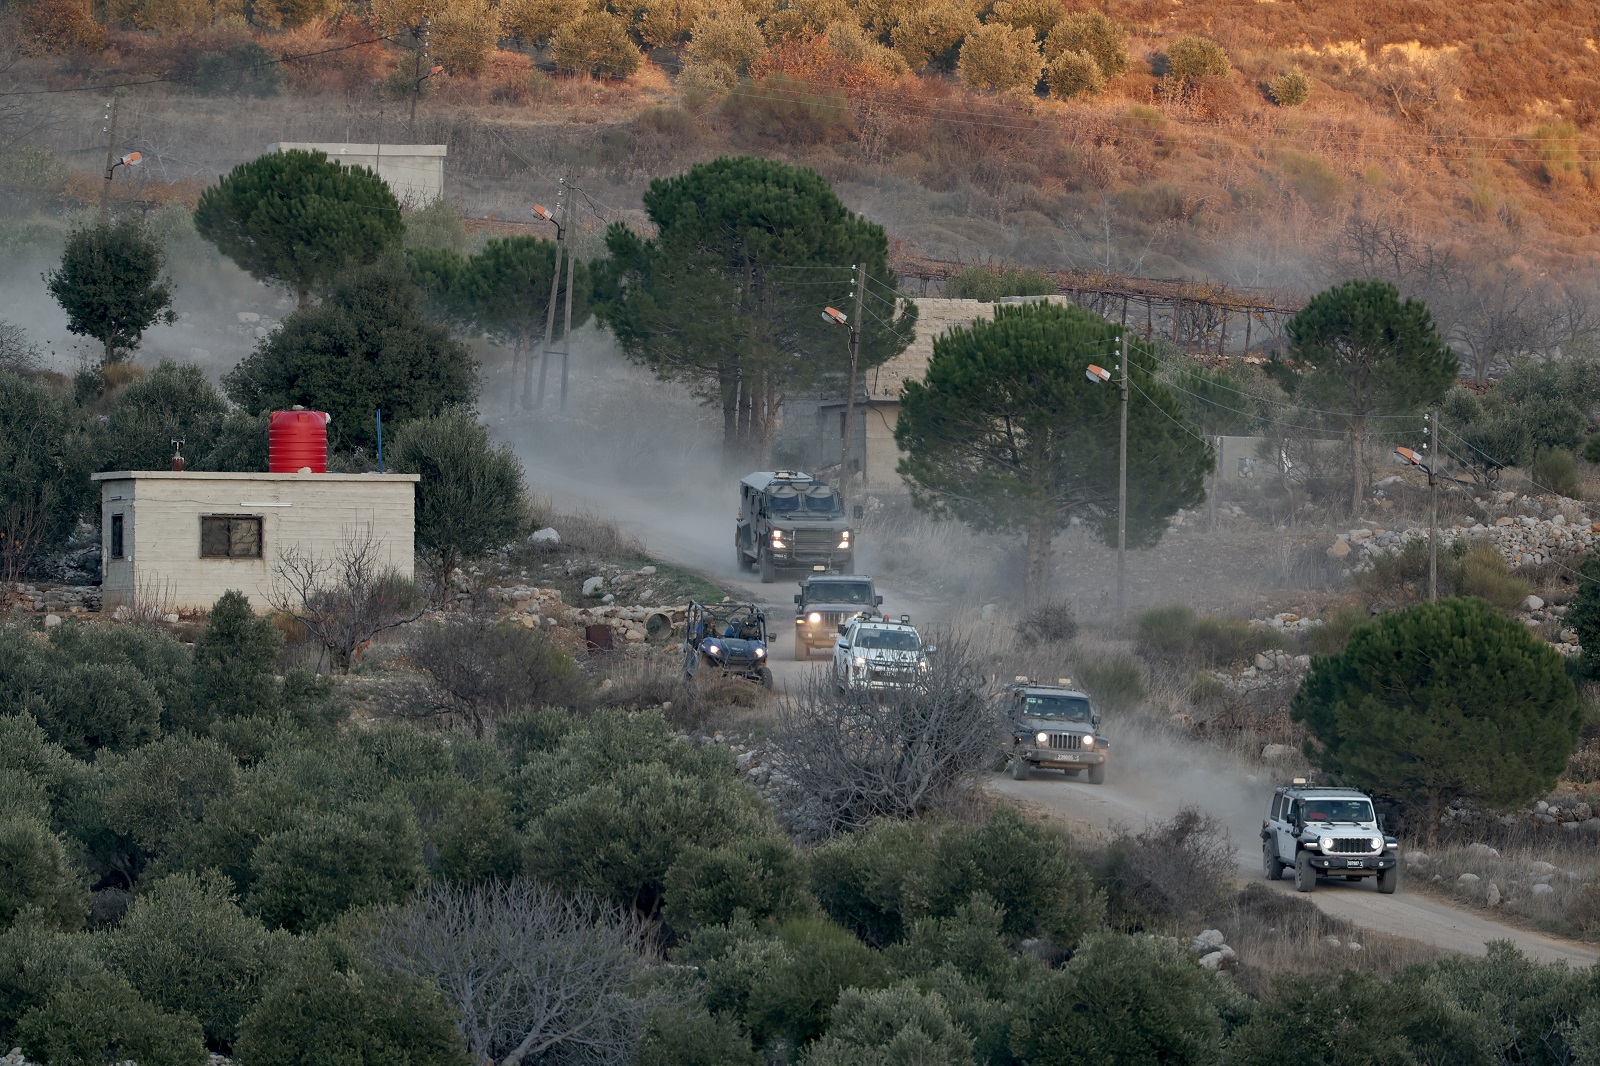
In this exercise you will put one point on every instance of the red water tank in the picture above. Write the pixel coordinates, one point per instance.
(297, 440)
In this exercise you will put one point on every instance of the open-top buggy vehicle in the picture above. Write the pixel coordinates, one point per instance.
(727, 637)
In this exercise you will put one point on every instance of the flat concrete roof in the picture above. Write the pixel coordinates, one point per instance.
(334, 148)
(223, 475)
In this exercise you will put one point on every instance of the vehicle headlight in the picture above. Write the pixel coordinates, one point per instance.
(860, 661)
(712, 649)
(777, 536)
(1088, 742)
(844, 541)
(1377, 843)
(1326, 843)
(814, 617)
(1043, 738)
(760, 652)
(845, 535)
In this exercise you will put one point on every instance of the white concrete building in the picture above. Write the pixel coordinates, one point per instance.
(413, 172)
(185, 538)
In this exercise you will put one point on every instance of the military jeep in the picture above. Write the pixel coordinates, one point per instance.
(1327, 832)
(789, 520)
(824, 603)
(1052, 727)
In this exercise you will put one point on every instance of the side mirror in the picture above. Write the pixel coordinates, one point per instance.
(841, 629)
(858, 512)
(797, 597)
(878, 600)
(1094, 719)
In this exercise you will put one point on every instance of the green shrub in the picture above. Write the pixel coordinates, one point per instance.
(1484, 573)
(235, 661)
(1554, 470)
(597, 44)
(186, 947)
(1329, 638)
(1166, 632)
(879, 882)
(94, 706)
(1591, 449)
(991, 283)
(487, 669)
(1000, 58)
(159, 659)
(894, 1025)
(476, 838)
(1172, 871)
(1311, 177)
(174, 400)
(98, 1020)
(330, 1008)
(1094, 34)
(692, 1036)
(158, 795)
(37, 876)
(1192, 57)
(1290, 89)
(1123, 999)
(35, 960)
(755, 878)
(32, 763)
(786, 111)
(307, 875)
(783, 985)
(1115, 682)
(1073, 74)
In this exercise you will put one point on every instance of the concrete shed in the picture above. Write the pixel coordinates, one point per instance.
(187, 537)
(413, 172)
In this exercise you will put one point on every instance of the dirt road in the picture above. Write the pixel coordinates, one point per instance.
(691, 526)
(1144, 786)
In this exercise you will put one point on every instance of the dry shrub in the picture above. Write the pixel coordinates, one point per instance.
(1584, 766)
(656, 682)
(356, 68)
(60, 27)
(1114, 681)
(1290, 89)
(1073, 74)
(1171, 871)
(598, 45)
(1572, 905)
(1275, 933)
(1049, 623)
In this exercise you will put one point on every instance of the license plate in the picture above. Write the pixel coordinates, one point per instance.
(1070, 757)
(1355, 862)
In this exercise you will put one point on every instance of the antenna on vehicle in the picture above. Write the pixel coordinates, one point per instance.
(1299, 781)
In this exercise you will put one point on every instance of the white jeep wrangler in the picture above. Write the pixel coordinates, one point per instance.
(1327, 832)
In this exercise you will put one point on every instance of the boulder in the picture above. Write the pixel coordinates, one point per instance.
(1339, 549)
(547, 535)
(1277, 751)
(1208, 939)
(1541, 889)
(1467, 880)
(52, 620)
(1265, 662)
(1533, 603)
(593, 585)
(1492, 897)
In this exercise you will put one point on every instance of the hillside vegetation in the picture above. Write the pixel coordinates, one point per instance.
(1283, 143)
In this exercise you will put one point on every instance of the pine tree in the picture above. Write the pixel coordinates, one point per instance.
(728, 296)
(1371, 354)
(298, 218)
(111, 286)
(1005, 433)
(367, 346)
(1442, 701)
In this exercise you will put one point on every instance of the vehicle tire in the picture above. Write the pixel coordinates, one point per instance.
(1097, 774)
(802, 650)
(1270, 866)
(690, 661)
(740, 563)
(1020, 769)
(1389, 880)
(1305, 875)
(766, 678)
(769, 570)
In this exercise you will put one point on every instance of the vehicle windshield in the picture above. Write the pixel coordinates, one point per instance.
(1337, 810)
(783, 501)
(887, 639)
(1066, 708)
(823, 501)
(840, 592)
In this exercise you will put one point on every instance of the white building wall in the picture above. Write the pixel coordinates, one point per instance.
(413, 172)
(313, 513)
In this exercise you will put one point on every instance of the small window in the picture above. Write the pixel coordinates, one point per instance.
(116, 536)
(230, 537)
(1277, 806)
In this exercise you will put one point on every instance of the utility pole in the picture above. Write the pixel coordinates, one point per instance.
(528, 402)
(1122, 486)
(1434, 451)
(566, 330)
(419, 39)
(110, 130)
(850, 390)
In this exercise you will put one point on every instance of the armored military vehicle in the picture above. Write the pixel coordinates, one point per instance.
(1053, 727)
(789, 520)
(823, 604)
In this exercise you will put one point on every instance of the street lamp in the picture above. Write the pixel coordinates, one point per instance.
(834, 315)
(1099, 374)
(130, 160)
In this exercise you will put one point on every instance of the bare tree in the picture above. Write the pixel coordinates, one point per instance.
(346, 600)
(17, 354)
(1500, 314)
(533, 975)
(854, 756)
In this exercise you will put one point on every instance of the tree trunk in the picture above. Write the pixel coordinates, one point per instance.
(1036, 590)
(1358, 439)
(728, 387)
(111, 352)
(1435, 816)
